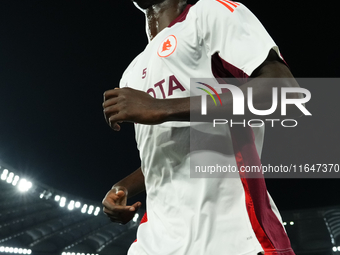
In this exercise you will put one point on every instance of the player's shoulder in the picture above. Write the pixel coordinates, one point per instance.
(212, 9)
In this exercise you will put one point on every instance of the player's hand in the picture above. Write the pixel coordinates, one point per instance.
(116, 209)
(130, 105)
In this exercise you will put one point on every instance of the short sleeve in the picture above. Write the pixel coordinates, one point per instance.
(231, 30)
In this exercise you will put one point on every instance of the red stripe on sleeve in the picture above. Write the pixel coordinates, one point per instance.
(226, 5)
(232, 3)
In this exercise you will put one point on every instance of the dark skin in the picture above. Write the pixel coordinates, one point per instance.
(134, 183)
(130, 105)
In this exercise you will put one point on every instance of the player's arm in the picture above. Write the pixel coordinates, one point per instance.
(131, 105)
(134, 184)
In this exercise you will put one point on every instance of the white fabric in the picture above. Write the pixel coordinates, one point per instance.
(194, 216)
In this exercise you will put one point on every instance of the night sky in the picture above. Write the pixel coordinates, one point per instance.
(58, 57)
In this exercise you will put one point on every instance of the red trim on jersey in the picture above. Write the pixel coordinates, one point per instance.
(267, 227)
(260, 234)
(143, 220)
(222, 69)
(182, 16)
(284, 60)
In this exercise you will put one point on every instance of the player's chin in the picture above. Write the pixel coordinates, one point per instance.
(145, 4)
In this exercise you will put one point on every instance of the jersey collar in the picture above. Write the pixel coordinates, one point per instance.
(182, 16)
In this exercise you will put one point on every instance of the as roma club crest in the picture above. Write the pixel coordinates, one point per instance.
(167, 47)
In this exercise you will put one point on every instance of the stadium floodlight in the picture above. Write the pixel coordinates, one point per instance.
(71, 205)
(334, 248)
(83, 210)
(77, 204)
(26, 251)
(57, 198)
(91, 207)
(96, 212)
(135, 218)
(284, 223)
(4, 174)
(15, 180)
(16, 250)
(338, 248)
(291, 223)
(24, 185)
(47, 194)
(62, 201)
(10, 177)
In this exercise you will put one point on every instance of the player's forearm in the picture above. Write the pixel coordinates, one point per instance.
(134, 183)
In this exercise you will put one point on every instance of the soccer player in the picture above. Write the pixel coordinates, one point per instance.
(196, 216)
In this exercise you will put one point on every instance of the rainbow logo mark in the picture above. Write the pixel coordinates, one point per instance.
(213, 90)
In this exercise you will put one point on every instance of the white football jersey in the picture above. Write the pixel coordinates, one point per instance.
(203, 216)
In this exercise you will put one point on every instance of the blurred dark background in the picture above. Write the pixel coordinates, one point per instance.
(58, 57)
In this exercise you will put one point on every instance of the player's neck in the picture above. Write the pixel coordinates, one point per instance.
(160, 16)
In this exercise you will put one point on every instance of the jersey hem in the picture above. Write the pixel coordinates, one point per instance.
(253, 252)
(251, 68)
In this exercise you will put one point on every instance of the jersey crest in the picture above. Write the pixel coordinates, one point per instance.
(167, 47)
